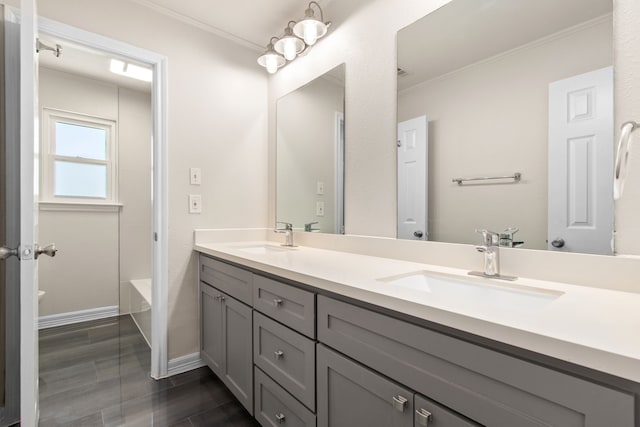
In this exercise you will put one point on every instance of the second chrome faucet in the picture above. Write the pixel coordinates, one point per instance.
(287, 231)
(491, 250)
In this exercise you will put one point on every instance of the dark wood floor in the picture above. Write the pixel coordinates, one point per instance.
(97, 374)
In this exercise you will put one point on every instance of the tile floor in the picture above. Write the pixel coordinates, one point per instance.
(97, 374)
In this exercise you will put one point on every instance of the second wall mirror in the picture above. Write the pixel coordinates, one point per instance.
(310, 155)
(505, 122)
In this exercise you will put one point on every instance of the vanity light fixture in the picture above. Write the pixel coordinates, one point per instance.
(289, 45)
(271, 59)
(298, 37)
(310, 29)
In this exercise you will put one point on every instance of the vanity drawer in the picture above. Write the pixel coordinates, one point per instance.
(484, 385)
(429, 413)
(288, 357)
(232, 280)
(287, 304)
(275, 407)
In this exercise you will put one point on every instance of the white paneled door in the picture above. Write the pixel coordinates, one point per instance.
(412, 179)
(581, 163)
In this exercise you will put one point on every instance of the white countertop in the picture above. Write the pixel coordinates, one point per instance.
(591, 327)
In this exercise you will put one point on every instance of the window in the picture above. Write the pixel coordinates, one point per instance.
(79, 158)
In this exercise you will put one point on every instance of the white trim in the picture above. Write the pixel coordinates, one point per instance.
(339, 172)
(185, 363)
(159, 92)
(79, 207)
(53, 320)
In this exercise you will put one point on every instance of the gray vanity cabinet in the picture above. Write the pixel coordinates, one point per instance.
(484, 385)
(226, 343)
(350, 395)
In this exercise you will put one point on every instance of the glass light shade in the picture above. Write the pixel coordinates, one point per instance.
(271, 60)
(290, 46)
(310, 30)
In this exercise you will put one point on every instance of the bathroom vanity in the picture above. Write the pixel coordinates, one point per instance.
(303, 337)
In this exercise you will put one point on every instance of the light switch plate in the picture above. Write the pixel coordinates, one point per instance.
(195, 176)
(319, 188)
(319, 208)
(195, 203)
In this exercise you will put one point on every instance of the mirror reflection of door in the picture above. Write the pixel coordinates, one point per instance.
(581, 163)
(412, 179)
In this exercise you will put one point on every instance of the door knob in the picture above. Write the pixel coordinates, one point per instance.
(7, 253)
(49, 250)
(557, 242)
(418, 234)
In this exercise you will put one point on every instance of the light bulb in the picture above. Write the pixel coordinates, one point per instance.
(310, 33)
(290, 50)
(271, 63)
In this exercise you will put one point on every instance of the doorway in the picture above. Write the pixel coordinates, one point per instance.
(158, 64)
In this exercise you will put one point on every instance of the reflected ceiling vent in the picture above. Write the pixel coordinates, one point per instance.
(401, 72)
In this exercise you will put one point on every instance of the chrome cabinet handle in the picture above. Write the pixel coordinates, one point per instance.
(557, 242)
(423, 416)
(222, 298)
(399, 403)
(278, 354)
(219, 298)
(280, 417)
(277, 302)
(418, 234)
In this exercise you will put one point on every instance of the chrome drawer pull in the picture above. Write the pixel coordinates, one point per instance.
(281, 418)
(423, 416)
(400, 403)
(279, 354)
(277, 302)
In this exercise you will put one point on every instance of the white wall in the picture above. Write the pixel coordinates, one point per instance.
(84, 273)
(492, 119)
(134, 192)
(627, 107)
(217, 121)
(98, 250)
(307, 153)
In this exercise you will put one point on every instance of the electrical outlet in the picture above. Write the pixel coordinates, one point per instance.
(195, 176)
(320, 188)
(319, 208)
(195, 203)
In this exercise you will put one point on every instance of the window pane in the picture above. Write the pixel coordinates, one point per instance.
(81, 141)
(80, 180)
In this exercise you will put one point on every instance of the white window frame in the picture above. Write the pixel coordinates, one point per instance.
(49, 118)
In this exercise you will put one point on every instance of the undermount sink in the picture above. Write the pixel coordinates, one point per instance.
(264, 249)
(443, 287)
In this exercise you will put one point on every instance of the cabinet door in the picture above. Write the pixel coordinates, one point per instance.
(238, 351)
(211, 350)
(350, 395)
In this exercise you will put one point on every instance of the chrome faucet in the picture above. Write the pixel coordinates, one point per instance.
(491, 250)
(309, 226)
(287, 231)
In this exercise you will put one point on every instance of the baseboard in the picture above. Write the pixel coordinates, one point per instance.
(184, 363)
(53, 320)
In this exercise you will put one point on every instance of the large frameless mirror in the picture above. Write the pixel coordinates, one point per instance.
(310, 155)
(505, 122)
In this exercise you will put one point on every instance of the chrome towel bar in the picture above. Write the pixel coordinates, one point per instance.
(516, 178)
